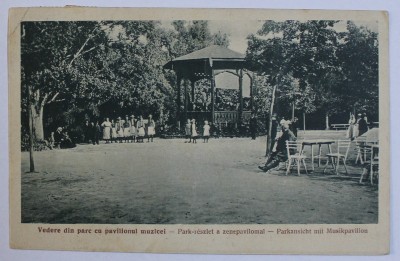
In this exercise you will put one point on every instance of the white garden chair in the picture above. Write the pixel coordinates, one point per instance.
(341, 154)
(295, 156)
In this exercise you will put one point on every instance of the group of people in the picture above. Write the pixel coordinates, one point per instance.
(60, 139)
(126, 130)
(191, 131)
(357, 127)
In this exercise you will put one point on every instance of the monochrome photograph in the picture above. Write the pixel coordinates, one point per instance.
(201, 122)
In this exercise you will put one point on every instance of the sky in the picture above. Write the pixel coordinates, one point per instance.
(238, 33)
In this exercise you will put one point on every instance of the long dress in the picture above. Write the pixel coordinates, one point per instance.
(120, 129)
(133, 128)
(350, 130)
(127, 129)
(113, 131)
(206, 130)
(140, 128)
(151, 128)
(106, 130)
(194, 132)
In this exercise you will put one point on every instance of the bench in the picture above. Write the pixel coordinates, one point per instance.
(340, 126)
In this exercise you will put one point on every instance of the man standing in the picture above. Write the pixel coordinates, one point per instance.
(86, 131)
(253, 126)
(362, 125)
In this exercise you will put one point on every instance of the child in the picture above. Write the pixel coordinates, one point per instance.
(194, 131)
(187, 131)
(206, 132)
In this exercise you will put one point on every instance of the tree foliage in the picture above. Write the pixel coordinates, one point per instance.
(316, 66)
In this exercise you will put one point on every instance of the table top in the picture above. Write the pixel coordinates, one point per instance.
(317, 142)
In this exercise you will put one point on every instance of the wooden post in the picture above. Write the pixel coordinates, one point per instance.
(240, 96)
(212, 95)
(304, 121)
(192, 99)
(252, 90)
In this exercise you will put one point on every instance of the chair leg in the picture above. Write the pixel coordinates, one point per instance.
(371, 174)
(288, 168)
(304, 163)
(362, 175)
(337, 165)
(326, 164)
(344, 164)
(298, 167)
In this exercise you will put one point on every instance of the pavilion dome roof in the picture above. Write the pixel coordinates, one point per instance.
(213, 52)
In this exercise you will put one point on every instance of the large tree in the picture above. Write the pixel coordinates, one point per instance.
(331, 71)
(50, 55)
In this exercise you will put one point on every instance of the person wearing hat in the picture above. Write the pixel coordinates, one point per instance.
(362, 124)
(140, 129)
(280, 154)
(58, 137)
(151, 131)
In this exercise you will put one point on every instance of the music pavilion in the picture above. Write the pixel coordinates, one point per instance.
(206, 63)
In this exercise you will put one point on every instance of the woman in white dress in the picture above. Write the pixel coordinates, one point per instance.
(140, 129)
(127, 129)
(350, 130)
(120, 129)
(106, 130)
(114, 134)
(151, 129)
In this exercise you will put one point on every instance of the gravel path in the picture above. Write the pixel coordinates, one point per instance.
(172, 182)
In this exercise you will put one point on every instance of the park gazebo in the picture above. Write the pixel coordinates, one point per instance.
(206, 63)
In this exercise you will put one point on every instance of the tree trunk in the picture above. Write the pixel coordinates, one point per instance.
(37, 122)
(327, 121)
(31, 160)
(269, 142)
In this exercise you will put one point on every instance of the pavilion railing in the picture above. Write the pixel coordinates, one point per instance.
(220, 117)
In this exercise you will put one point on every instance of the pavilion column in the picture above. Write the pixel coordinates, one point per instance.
(178, 98)
(212, 96)
(185, 104)
(252, 91)
(240, 112)
(192, 94)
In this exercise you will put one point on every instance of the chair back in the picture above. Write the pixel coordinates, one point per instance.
(343, 147)
(294, 147)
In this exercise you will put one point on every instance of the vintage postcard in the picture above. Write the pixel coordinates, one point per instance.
(232, 131)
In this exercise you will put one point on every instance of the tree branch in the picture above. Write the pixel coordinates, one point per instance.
(54, 97)
(79, 53)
